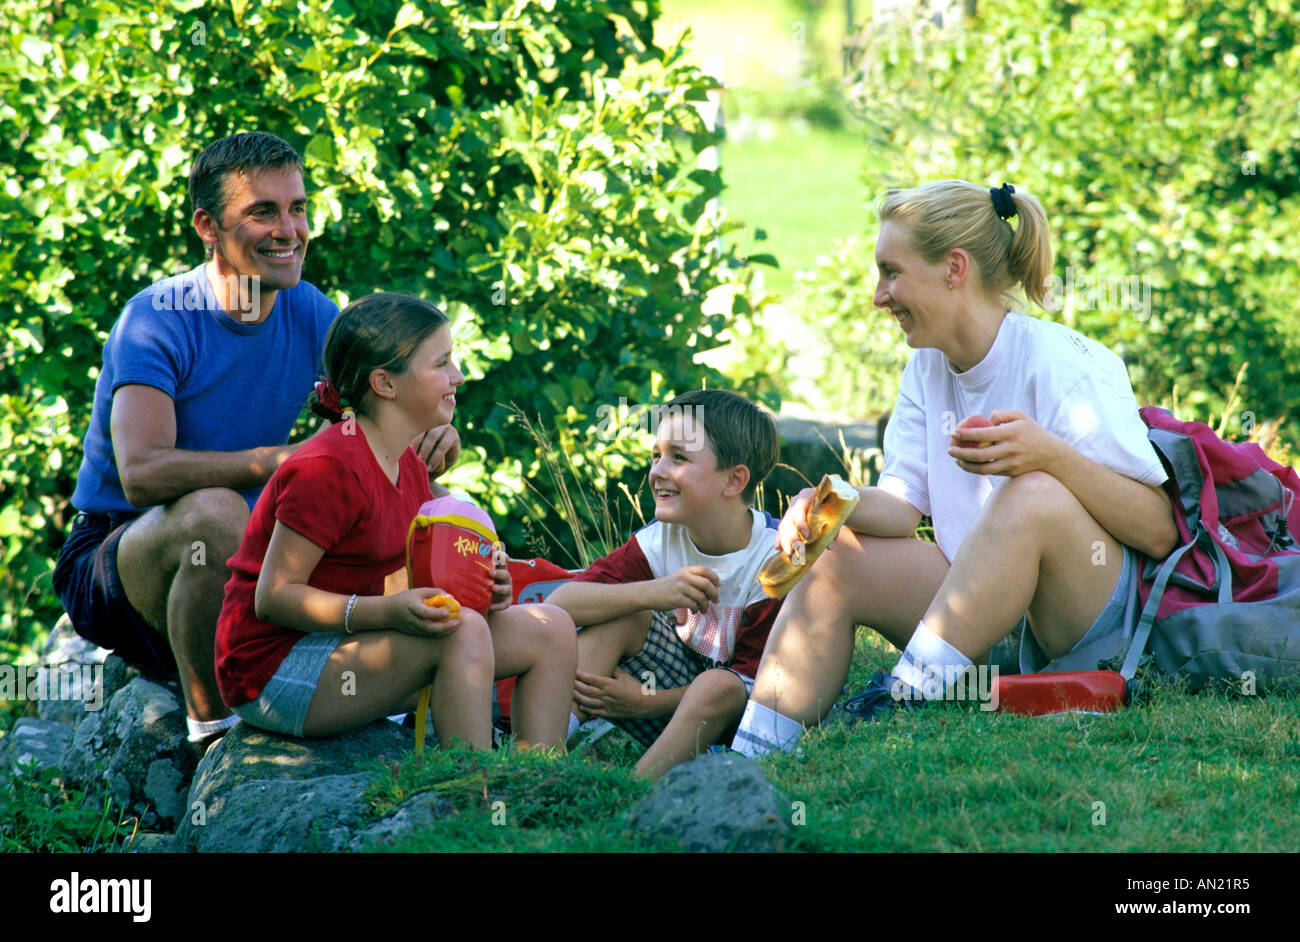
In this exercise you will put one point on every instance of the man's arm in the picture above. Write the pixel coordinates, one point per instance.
(154, 471)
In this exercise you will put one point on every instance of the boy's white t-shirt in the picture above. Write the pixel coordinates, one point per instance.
(1073, 387)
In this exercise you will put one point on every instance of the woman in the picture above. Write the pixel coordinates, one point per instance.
(1041, 518)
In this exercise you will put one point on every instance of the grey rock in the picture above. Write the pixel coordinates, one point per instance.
(716, 803)
(411, 815)
(33, 740)
(150, 842)
(72, 671)
(246, 755)
(137, 747)
(812, 449)
(118, 673)
(286, 816)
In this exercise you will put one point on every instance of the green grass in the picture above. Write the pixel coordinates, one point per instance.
(804, 190)
(1181, 772)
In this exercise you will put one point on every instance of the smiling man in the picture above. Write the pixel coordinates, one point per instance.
(204, 375)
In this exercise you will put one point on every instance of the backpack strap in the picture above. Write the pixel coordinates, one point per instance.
(1142, 633)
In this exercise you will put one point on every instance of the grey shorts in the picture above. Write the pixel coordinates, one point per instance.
(1108, 636)
(666, 659)
(282, 705)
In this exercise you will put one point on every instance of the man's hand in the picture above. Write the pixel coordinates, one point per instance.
(613, 698)
(438, 448)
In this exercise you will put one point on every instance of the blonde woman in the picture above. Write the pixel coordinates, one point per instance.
(1036, 517)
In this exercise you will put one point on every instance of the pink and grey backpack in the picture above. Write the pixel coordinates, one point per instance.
(1227, 601)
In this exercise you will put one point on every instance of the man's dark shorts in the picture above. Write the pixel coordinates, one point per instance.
(88, 585)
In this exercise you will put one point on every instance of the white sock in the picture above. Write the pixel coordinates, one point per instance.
(926, 662)
(202, 729)
(574, 723)
(763, 730)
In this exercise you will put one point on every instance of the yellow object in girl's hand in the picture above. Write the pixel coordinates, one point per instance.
(444, 601)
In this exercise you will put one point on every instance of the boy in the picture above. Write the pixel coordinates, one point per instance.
(677, 609)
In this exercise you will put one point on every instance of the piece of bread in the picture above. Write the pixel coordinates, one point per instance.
(832, 504)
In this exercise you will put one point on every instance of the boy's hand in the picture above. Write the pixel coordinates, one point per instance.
(503, 591)
(407, 613)
(620, 697)
(691, 587)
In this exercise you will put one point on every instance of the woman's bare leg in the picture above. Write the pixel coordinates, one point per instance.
(860, 580)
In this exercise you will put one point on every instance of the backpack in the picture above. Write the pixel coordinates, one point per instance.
(1227, 601)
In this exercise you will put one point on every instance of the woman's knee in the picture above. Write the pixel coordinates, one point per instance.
(1032, 496)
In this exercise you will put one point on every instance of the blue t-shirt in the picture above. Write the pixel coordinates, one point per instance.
(235, 385)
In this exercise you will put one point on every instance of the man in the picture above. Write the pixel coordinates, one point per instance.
(204, 375)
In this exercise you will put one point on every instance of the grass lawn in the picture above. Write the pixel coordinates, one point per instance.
(1208, 772)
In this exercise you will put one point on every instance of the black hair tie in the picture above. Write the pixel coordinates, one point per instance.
(1003, 204)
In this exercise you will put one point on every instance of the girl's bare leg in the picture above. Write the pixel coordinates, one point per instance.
(537, 643)
(376, 673)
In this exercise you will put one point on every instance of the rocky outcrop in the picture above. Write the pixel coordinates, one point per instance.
(714, 804)
(243, 797)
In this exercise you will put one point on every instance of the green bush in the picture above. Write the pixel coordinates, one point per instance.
(1161, 139)
(530, 167)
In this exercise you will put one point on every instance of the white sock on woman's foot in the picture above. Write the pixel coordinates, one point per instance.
(928, 661)
(763, 730)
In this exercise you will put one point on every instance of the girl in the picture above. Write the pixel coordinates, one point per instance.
(1038, 515)
(307, 643)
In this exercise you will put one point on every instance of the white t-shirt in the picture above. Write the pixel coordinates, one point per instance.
(1073, 387)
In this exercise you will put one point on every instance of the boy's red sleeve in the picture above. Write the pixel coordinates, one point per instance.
(625, 564)
(751, 639)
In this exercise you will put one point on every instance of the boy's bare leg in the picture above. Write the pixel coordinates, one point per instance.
(601, 648)
(536, 643)
(172, 562)
(387, 671)
(712, 704)
(860, 580)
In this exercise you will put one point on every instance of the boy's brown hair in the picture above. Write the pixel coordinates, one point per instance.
(740, 432)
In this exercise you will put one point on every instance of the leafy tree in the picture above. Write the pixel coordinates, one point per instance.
(1162, 139)
(528, 166)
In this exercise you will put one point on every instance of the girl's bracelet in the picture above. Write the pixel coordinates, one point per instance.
(347, 615)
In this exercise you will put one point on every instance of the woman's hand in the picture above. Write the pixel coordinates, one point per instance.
(1017, 444)
(407, 613)
(613, 698)
(438, 448)
(793, 528)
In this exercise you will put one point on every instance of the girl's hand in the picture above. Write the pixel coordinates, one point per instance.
(438, 448)
(1017, 444)
(407, 613)
(612, 698)
(503, 590)
(793, 528)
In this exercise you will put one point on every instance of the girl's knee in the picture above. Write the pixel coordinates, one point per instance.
(1033, 495)
(470, 645)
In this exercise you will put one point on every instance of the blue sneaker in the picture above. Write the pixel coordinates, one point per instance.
(879, 698)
